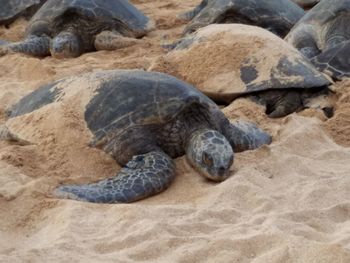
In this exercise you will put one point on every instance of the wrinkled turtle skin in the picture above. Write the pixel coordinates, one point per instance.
(12, 9)
(247, 61)
(143, 120)
(69, 28)
(278, 16)
(322, 35)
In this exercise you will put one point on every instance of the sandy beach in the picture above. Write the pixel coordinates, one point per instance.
(288, 202)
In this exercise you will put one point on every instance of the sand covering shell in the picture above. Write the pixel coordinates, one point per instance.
(237, 59)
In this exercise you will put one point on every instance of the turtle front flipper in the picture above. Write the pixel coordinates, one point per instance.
(334, 61)
(192, 13)
(35, 46)
(145, 175)
(108, 40)
(206, 16)
(244, 135)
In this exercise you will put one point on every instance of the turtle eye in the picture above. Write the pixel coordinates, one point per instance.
(207, 159)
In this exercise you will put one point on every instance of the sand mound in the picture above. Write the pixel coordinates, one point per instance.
(287, 202)
(339, 126)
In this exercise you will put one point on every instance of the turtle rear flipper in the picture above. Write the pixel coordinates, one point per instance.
(7, 135)
(109, 40)
(145, 175)
(36, 46)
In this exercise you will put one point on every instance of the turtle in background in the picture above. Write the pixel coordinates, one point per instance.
(306, 4)
(12, 9)
(278, 16)
(323, 36)
(69, 28)
(228, 61)
(143, 120)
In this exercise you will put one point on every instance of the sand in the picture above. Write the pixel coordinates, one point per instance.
(286, 202)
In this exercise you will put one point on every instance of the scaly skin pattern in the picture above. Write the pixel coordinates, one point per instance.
(145, 175)
(334, 61)
(210, 153)
(36, 46)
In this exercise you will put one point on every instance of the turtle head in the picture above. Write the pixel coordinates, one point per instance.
(210, 153)
(66, 45)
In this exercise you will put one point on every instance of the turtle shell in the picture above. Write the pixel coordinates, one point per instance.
(278, 16)
(110, 13)
(232, 60)
(11, 9)
(312, 25)
(117, 100)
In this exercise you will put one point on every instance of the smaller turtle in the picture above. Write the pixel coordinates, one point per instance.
(143, 119)
(278, 16)
(12, 9)
(320, 34)
(306, 4)
(233, 60)
(69, 28)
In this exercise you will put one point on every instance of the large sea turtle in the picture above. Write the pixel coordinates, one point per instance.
(278, 16)
(226, 61)
(69, 28)
(12, 9)
(323, 35)
(143, 119)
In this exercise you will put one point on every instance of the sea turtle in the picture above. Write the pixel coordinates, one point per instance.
(306, 4)
(143, 119)
(278, 16)
(69, 28)
(226, 61)
(12, 9)
(320, 36)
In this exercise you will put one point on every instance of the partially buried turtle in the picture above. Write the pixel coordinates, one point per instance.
(143, 119)
(69, 28)
(230, 61)
(278, 16)
(323, 36)
(12, 9)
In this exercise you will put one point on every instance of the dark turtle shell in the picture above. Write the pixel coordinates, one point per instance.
(324, 11)
(110, 13)
(312, 29)
(11, 9)
(278, 16)
(120, 100)
(319, 36)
